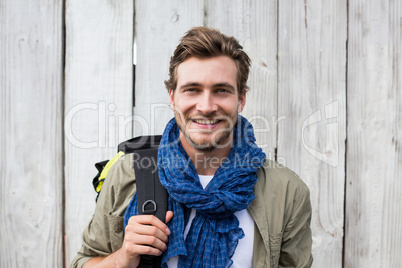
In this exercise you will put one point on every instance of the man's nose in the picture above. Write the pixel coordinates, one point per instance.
(206, 104)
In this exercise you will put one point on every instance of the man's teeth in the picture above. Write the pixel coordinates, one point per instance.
(205, 121)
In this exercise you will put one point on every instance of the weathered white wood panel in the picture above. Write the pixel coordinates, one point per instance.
(159, 26)
(374, 155)
(30, 143)
(312, 105)
(98, 100)
(254, 24)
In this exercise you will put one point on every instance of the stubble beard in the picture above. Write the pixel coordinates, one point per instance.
(217, 140)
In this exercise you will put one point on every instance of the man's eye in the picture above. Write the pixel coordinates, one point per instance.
(222, 90)
(190, 90)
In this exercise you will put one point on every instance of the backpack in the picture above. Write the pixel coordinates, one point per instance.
(152, 197)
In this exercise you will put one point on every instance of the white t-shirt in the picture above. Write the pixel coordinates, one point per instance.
(243, 256)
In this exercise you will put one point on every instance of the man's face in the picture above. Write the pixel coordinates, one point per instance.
(206, 101)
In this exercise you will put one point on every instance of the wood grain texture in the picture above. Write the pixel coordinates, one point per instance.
(298, 89)
(158, 28)
(374, 158)
(254, 24)
(98, 100)
(30, 142)
(312, 103)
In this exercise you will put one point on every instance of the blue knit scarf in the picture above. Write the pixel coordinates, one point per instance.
(214, 232)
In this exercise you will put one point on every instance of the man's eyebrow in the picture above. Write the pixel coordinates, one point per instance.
(227, 85)
(217, 85)
(190, 84)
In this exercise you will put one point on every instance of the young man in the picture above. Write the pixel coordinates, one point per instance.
(228, 205)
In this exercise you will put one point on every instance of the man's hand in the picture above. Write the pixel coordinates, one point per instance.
(144, 234)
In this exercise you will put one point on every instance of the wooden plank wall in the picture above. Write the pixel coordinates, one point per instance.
(98, 100)
(312, 104)
(373, 229)
(31, 72)
(325, 101)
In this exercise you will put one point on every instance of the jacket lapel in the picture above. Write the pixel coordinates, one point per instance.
(257, 210)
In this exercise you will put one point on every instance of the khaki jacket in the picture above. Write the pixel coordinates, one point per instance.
(281, 211)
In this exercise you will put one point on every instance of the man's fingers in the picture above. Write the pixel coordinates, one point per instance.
(150, 220)
(147, 250)
(147, 230)
(140, 249)
(169, 216)
(149, 240)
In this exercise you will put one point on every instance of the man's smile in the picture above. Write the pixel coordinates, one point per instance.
(206, 123)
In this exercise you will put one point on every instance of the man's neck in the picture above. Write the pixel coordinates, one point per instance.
(206, 162)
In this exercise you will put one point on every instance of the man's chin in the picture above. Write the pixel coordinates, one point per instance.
(207, 144)
(202, 145)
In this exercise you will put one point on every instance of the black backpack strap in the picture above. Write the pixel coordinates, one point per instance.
(148, 261)
(152, 197)
(126, 147)
(139, 143)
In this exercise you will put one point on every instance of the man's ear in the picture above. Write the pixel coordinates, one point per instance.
(171, 99)
(242, 102)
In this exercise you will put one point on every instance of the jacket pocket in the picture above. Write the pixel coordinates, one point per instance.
(275, 241)
(116, 231)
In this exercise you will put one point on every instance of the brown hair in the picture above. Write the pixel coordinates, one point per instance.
(204, 42)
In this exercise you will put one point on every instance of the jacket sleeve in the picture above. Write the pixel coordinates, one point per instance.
(105, 232)
(297, 236)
